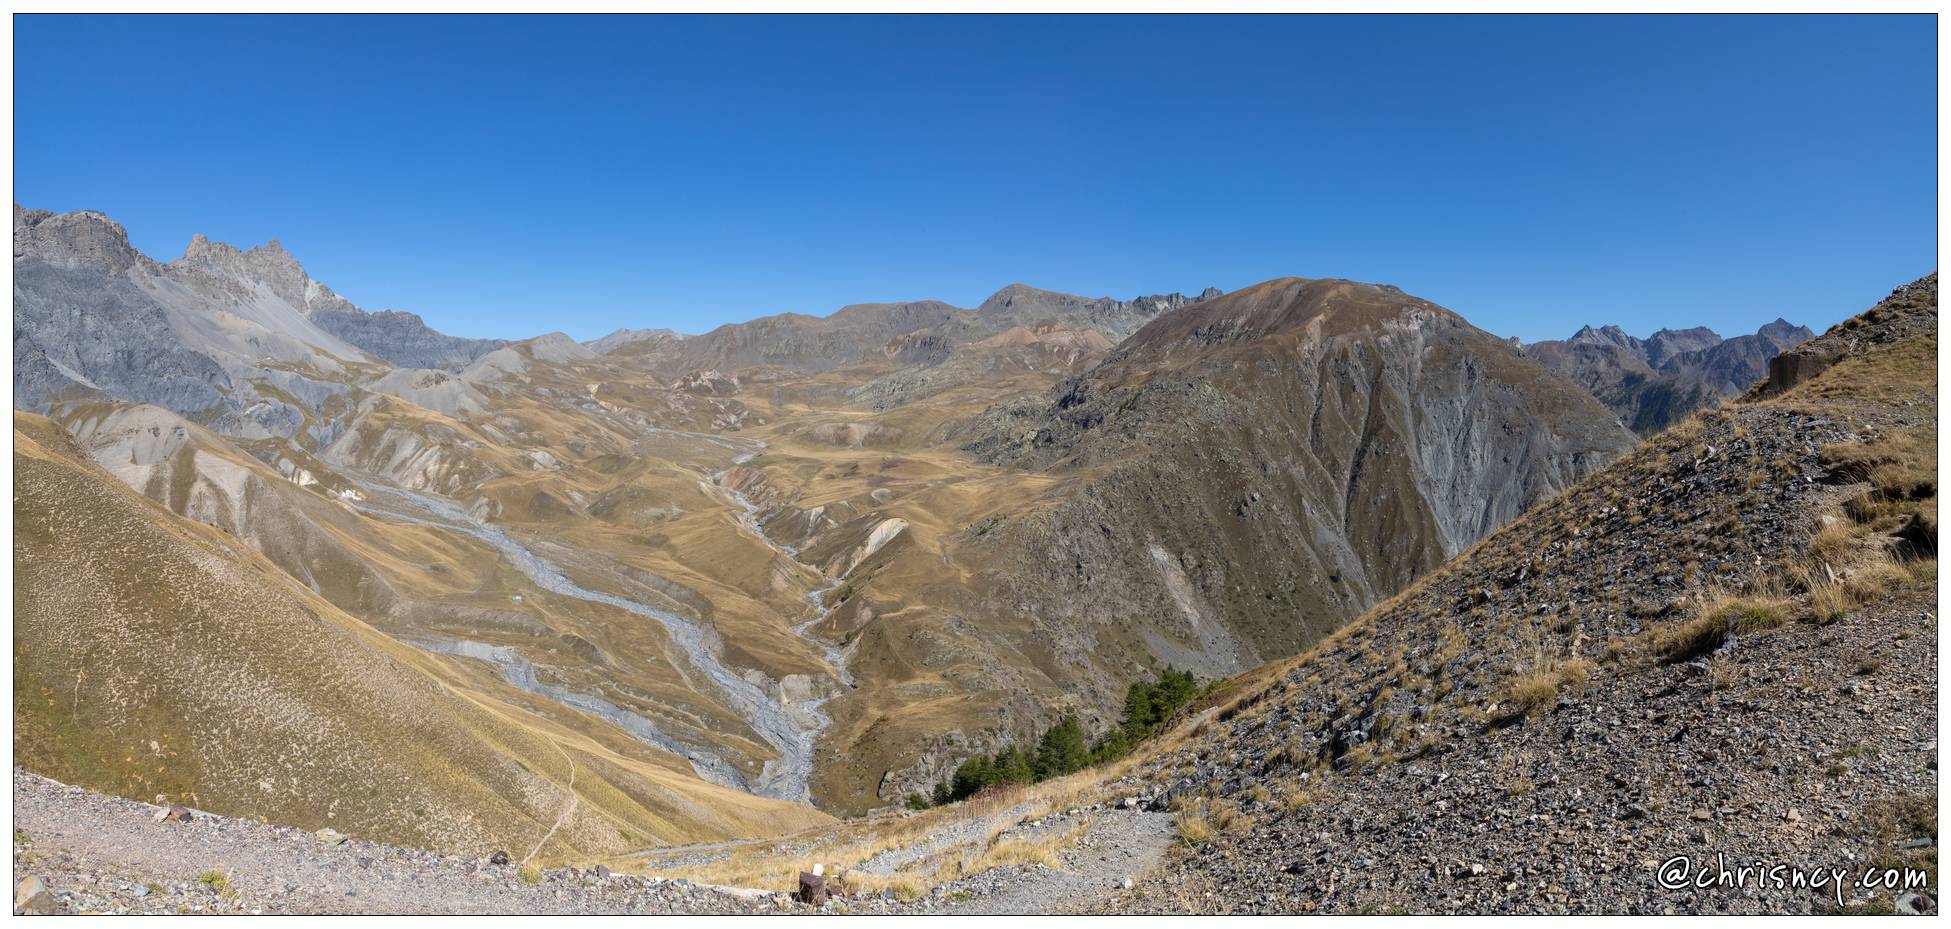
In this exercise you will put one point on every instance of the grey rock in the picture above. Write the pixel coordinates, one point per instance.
(31, 898)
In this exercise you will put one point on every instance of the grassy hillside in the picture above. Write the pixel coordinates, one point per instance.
(155, 657)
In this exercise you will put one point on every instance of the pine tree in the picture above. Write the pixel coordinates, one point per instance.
(1140, 713)
(1061, 750)
(971, 776)
(1011, 767)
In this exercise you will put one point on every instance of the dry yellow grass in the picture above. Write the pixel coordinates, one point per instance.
(122, 608)
(1192, 825)
(1045, 851)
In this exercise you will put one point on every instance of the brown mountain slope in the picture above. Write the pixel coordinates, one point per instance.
(155, 656)
(1297, 450)
(1723, 643)
(1235, 481)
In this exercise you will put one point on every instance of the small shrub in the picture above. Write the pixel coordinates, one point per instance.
(214, 879)
(530, 874)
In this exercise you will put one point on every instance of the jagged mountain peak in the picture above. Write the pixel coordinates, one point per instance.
(268, 264)
(1783, 329)
(1653, 382)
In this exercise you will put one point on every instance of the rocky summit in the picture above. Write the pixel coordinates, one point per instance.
(1059, 603)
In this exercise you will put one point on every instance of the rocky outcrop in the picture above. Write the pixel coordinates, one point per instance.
(1909, 311)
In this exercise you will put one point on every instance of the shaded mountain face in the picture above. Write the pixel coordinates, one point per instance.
(1356, 374)
(1653, 660)
(398, 337)
(1654, 382)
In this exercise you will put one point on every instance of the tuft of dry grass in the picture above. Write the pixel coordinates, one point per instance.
(1192, 826)
(1022, 851)
(1532, 692)
(1720, 616)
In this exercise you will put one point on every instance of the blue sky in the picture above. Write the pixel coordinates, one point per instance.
(504, 177)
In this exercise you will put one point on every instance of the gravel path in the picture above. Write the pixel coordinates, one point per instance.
(100, 854)
(1120, 845)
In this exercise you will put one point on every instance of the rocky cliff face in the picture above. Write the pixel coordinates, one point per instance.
(82, 325)
(401, 338)
(242, 339)
(1654, 382)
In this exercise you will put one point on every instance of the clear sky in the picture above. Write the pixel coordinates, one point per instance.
(505, 177)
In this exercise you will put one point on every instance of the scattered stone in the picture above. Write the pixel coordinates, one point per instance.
(1912, 903)
(32, 899)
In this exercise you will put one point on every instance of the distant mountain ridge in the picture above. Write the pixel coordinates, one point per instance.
(861, 331)
(1654, 382)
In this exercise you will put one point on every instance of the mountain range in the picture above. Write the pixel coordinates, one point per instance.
(1655, 382)
(659, 588)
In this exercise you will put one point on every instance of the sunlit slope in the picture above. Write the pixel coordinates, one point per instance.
(158, 657)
